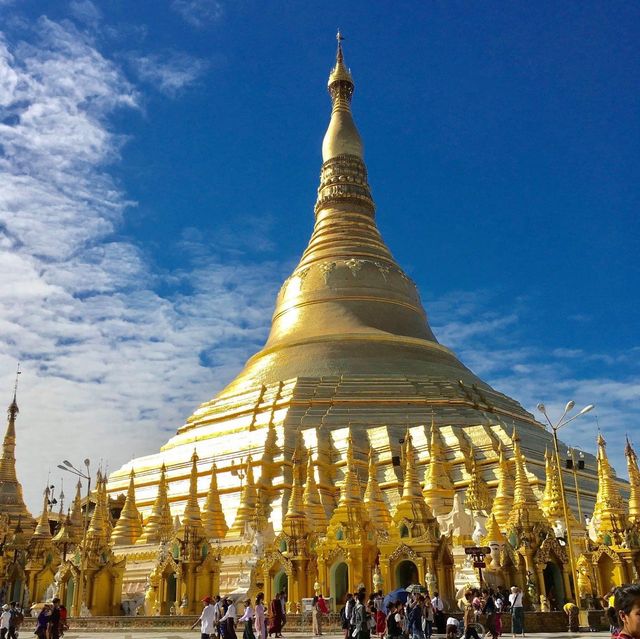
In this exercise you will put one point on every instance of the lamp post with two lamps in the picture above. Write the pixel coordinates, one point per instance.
(563, 421)
(67, 466)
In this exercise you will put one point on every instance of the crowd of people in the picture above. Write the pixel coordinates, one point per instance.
(419, 617)
(219, 617)
(50, 624)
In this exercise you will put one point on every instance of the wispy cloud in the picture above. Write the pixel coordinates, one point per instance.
(111, 367)
(494, 342)
(170, 72)
(198, 13)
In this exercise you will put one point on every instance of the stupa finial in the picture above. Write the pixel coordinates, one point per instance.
(213, 520)
(634, 481)
(128, 527)
(159, 526)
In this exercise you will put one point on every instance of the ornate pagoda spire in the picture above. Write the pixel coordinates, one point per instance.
(608, 513)
(76, 516)
(525, 505)
(503, 500)
(99, 530)
(191, 516)
(438, 487)
(412, 510)
(294, 522)
(313, 508)
(43, 529)
(350, 514)
(374, 499)
(128, 528)
(248, 502)
(159, 526)
(215, 525)
(477, 494)
(11, 499)
(551, 502)
(634, 482)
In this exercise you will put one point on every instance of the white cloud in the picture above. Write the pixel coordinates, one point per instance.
(86, 12)
(111, 368)
(170, 72)
(198, 13)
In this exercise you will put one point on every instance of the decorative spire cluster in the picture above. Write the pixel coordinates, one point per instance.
(316, 515)
(412, 509)
(294, 523)
(438, 487)
(551, 502)
(525, 505)
(477, 495)
(248, 502)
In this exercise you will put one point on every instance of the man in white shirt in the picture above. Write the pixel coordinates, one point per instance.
(229, 619)
(207, 619)
(438, 612)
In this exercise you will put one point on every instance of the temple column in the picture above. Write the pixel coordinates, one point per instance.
(567, 582)
(542, 590)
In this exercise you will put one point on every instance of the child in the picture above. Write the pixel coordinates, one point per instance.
(627, 612)
(452, 628)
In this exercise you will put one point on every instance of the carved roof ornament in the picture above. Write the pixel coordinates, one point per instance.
(43, 530)
(477, 494)
(294, 522)
(551, 502)
(248, 501)
(438, 487)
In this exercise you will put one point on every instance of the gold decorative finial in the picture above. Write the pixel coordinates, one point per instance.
(159, 526)
(374, 499)
(609, 510)
(634, 482)
(128, 527)
(215, 525)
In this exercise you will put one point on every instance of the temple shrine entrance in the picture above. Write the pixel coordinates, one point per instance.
(170, 592)
(606, 573)
(554, 585)
(339, 582)
(281, 582)
(406, 574)
(68, 595)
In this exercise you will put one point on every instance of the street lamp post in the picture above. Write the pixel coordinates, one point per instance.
(571, 454)
(67, 466)
(563, 421)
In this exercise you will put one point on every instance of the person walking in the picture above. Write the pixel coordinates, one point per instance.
(275, 617)
(415, 620)
(4, 620)
(428, 617)
(228, 621)
(490, 610)
(361, 618)
(347, 614)
(207, 619)
(517, 611)
(439, 617)
(469, 617)
(248, 619)
(260, 624)
(54, 622)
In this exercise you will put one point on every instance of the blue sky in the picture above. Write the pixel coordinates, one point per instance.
(158, 168)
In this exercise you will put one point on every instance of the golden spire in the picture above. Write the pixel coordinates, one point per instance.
(99, 529)
(634, 482)
(159, 526)
(551, 502)
(77, 520)
(350, 491)
(342, 137)
(609, 510)
(525, 505)
(43, 529)
(313, 507)
(503, 500)
(248, 502)
(412, 507)
(128, 528)
(374, 499)
(477, 494)
(191, 517)
(438, 488)
(215, 525)
(11, 499)
(66, 536)
(494, 535)
(350, 514)
(294, 522)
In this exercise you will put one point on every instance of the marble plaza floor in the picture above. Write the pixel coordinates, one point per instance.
(183, 634)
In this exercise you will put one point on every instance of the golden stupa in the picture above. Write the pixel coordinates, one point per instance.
(350, 363)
